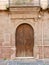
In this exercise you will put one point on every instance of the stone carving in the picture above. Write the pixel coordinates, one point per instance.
(4, 4)
(44, 4)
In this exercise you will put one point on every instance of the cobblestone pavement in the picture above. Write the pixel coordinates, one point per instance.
(15, 62)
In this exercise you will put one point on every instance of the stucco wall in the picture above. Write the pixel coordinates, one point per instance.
(9, 21)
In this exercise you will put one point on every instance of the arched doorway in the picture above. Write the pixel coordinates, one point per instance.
(24, 41)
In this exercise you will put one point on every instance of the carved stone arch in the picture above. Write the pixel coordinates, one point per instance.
(29, 23)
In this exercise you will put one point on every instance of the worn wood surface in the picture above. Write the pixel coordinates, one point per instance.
(24, 41)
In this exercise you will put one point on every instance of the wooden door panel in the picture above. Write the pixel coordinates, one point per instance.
(28, 40)
(25, 41)
(19, 44)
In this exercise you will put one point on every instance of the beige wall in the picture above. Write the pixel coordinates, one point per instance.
(8, 25)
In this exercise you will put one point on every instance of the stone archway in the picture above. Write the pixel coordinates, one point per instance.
(24, 39)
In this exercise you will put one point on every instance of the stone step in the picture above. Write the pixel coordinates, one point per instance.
(17, 62)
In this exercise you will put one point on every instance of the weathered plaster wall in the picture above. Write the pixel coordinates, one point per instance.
(5, 36)
(9, 21)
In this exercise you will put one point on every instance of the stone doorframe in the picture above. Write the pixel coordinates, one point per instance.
(18, 22)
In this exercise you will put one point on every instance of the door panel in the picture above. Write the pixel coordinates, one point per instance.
(28, 40)
(24, 41)
(19, 44)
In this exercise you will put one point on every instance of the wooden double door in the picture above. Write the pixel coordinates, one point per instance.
(24, 41)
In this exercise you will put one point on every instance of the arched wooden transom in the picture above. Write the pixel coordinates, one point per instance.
(24, 41)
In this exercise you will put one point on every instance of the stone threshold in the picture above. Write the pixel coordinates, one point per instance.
(15, 62)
